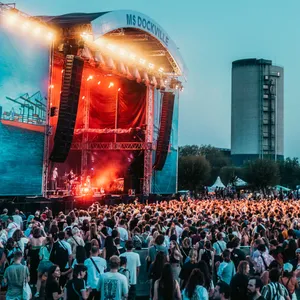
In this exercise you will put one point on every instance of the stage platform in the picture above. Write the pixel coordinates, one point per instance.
(67, 203)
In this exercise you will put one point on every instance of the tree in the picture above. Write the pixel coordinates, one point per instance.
(289, 172)
(193, 171)
(189, 150)
(262, 173)
(229, 174)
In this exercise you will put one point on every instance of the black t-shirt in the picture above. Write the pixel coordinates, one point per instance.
(237, 255)
(52, 287)
(238, 285)
(74, 288)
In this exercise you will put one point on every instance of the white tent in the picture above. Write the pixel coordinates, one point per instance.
(240, 182)
(218, 183)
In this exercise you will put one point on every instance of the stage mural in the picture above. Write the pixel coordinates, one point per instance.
(23, 105)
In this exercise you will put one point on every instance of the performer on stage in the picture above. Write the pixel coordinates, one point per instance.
(54, 179)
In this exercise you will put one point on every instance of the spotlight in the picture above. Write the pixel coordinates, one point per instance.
(151, 66)
(142, 61)
(122, 52)
(51, 86)
(132, 56)
(50, 36)
(12, 18)
(99, 82)
(161, 70)
(119, 89)
(25, 26)
(37, 31)
(62, 70)
(90, 78)
(83, 97)
(111, 84)
(111, 47)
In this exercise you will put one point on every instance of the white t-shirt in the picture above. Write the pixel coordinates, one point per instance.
(12, 227)
(123, 234)
(92, 273)
(133, 262)
(113, 286)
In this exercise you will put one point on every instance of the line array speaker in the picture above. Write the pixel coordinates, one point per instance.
(69, 99)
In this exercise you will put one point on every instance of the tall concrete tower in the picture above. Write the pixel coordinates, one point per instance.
(256, 110)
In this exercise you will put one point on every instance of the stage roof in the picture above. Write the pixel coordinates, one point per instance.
(132, 30)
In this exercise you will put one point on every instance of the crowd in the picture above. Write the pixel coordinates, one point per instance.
(201, 249)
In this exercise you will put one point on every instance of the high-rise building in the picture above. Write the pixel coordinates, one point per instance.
(256, 111)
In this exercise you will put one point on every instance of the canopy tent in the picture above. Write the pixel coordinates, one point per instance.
(218, 183)
(240, 182)
(280, 187)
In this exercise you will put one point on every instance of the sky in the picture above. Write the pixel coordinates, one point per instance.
(210, 35)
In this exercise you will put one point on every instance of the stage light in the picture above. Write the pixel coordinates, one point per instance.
(51, 86)
(161, 70)
(122, 52)
(111, 84)
(90, 78)
(132, 56)
(111, 47)
(177, 86)
(151, 66)
(37, 31)
(25, 26)
(83, 97)
(119, 89)
(99, 82)
(62, 70)
(142, 61)
(50, 36)
(12, 18)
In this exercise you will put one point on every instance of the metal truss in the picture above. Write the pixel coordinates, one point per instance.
(157, 53)
(148, 138)
(124, 146)
(105, 130)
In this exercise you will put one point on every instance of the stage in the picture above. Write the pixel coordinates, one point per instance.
(106, 111)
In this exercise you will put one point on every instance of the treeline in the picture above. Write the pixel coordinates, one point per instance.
(199, 166)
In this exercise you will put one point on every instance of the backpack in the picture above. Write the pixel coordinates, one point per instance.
(276, 291)
(59, 255)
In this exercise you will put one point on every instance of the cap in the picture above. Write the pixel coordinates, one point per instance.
(288, 267)
(298, 250)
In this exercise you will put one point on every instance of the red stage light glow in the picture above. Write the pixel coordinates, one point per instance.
(111, 84)
(83, 97)
(99, 82)
(119, 89)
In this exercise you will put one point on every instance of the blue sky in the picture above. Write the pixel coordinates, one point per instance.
(210, 35)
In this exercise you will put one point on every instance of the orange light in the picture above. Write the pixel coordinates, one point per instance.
(119, 89)
(99, 82)
(83, 97)
(142, 61)
(160, 70)
(50, 36)
(151, 66)
(51, 86)
(90, 78)
(132, 56)
(62, 71)
(111, 84)
(37, 31)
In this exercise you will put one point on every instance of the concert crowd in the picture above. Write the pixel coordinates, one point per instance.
(196, 249)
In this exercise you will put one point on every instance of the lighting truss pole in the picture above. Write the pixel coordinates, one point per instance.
(148, 140)
(85, 135)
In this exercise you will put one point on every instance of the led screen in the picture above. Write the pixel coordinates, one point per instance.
(24, 72)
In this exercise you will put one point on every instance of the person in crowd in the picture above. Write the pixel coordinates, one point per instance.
(45, 263)
(274, 290)
(53, 290)
(185, 249)
(158, 246)
(166, 287)
(75, 240)
(175, 259)
(96, 266)
(221, 291)
(254, 289)
(226, 269)
(239, 282)
(113, 285)
(76, 288)
(289, 280)
(194, 288)
(122, 231)
(124, 270)
(207, 254)
(262, 260)
(133, 265)
(155, 270)
(11, 227)
(15, 276)
(188, 267)
(110, 248)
